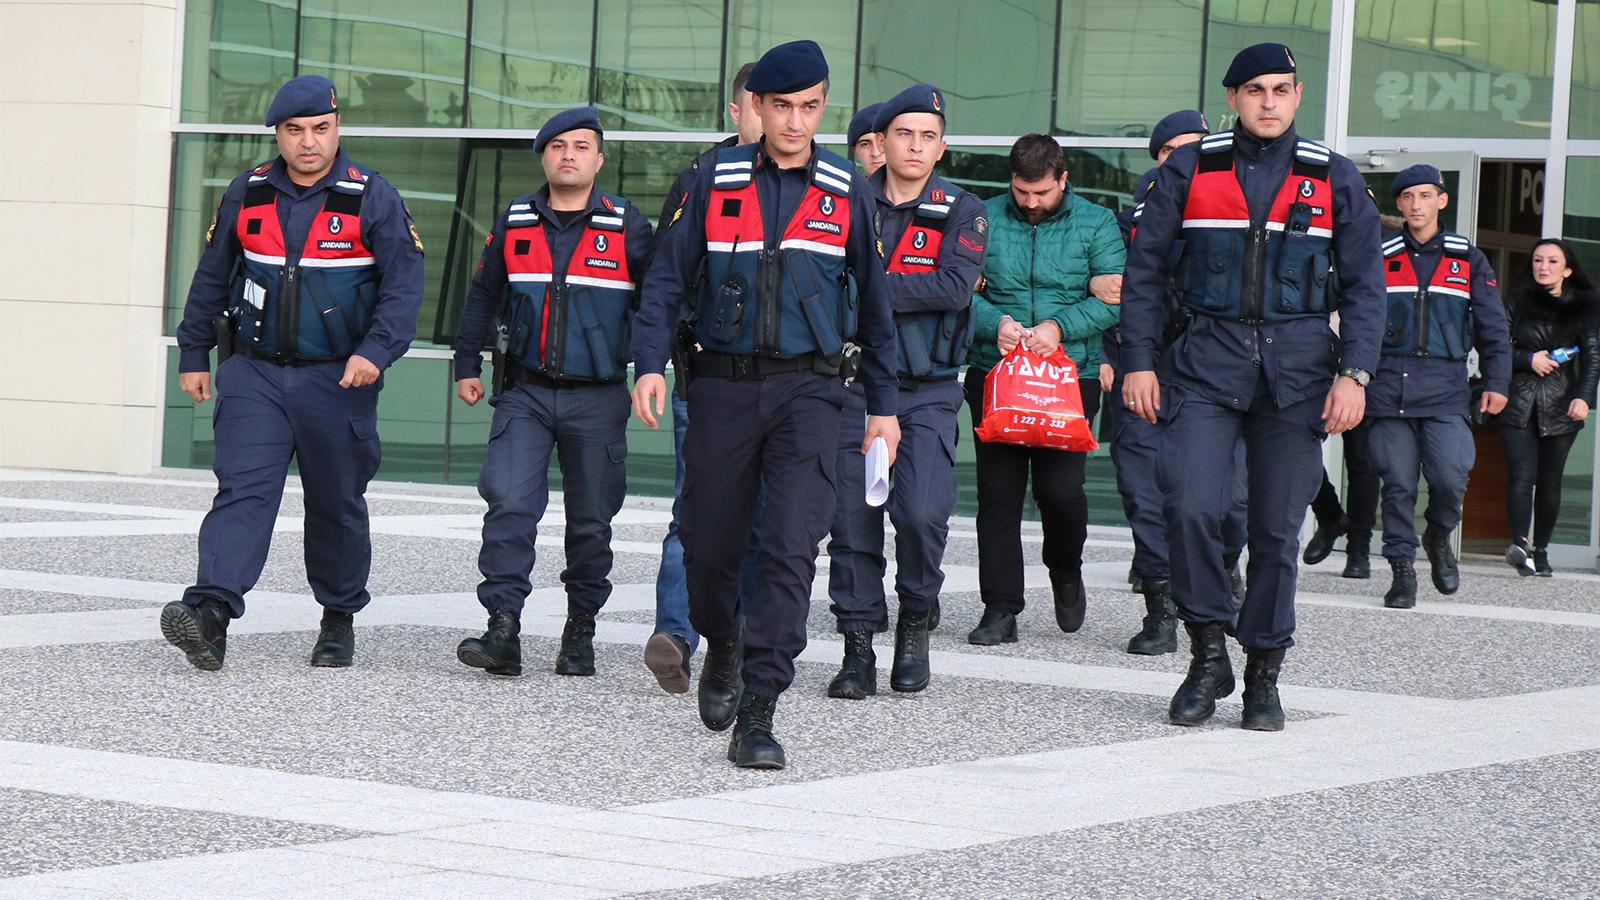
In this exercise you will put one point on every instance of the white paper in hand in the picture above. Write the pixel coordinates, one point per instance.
(877, 472)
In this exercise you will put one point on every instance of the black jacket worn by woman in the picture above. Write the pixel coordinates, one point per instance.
(1542, 322)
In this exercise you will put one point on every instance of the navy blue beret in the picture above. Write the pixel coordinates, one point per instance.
(1260, 59)
(567, 120)
(307, 95)
(787, 68)
(1415, 175)
(1184, 121)
(862, 122)
(919, 98)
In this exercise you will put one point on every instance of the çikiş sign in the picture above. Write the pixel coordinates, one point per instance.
(1506, 93)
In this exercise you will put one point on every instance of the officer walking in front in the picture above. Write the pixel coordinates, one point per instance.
(1276, 233)
(938, 237)
(1443, 301)
(312, 277)
(560, 271)
(865, 141)
(778, 226)
(1136, 444)
(669, 647)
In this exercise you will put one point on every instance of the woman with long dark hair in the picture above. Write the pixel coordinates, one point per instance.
(1554, 315)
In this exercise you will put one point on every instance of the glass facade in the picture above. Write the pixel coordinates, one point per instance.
(443, 96)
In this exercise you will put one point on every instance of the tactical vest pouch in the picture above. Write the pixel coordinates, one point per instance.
(726, 320)
(594, 336)
(1302, 271)
(1451, 325)
(913, 340)
(522, 328)
(953, 334)
(825, 332)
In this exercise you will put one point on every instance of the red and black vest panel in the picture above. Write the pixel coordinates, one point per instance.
(1282, 270)
(932, 345)
(317, 307)
(771, 292)
(1432, 320)
(573, 325)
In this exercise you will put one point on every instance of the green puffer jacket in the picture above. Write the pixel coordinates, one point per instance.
(1042, 272)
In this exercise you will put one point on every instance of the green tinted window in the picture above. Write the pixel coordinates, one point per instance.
(1452, 68)
(1586, 74)
(659, 64)
(236, 54)
(1301, 25)
(396, 62)
(528, 60)
(1127, 63)
(988, 93)
(757, 26)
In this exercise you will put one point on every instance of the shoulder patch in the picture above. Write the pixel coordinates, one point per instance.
(416, 239)
(980, 224)
(211, 231)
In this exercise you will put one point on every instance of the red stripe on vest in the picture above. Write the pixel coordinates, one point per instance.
(734, 216)
(1451, 272)
(912, 257)
(335, 236)
(1217, 195)
(268, 237)
(822, 218)
(598, 254)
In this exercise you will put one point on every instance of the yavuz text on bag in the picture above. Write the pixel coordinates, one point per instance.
(1035, 401)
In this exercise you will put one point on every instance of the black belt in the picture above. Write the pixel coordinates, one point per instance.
(706, 364)
(517, 373)
(293, 361)
(912, 382)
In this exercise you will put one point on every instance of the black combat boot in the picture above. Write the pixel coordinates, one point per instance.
(1230, 561)
(995, 627)
(721, 682)
(1442, 561)
(858, 672)
(1210, 675)
(1403, 590)
(667, 657)
(1071, 602)
(336, 642)
(1357, 559)
(1541, 563)
(576, 656)
(933, 616)
(1262, 711)
(1160, 632)
(753, 746)
(201, 632)
(1322, 540)
(499, 651)
(910, 672)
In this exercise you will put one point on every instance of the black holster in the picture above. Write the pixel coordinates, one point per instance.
(222, 323)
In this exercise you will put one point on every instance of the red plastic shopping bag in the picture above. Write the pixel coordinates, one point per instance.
(1035, 401)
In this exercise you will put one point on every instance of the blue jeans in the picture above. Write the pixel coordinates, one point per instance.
(672, 586)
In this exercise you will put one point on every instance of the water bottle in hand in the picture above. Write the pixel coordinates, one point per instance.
(1563, 354)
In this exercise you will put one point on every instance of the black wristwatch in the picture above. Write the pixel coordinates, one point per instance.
(1359, 376)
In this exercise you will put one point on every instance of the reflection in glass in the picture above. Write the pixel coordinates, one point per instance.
(1586, 74)
(528, 59)
(1301, 25)
(1452, 68)
(658, 64)
(1127, 63)
(396, 62)
(756, 26)
(236, 53)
